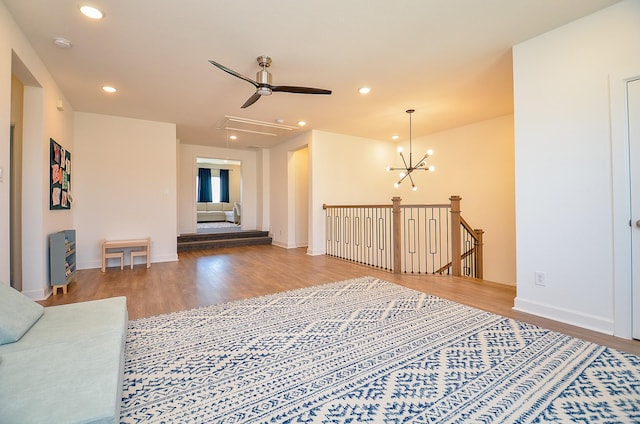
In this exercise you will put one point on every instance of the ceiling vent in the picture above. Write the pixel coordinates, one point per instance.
(233, 123)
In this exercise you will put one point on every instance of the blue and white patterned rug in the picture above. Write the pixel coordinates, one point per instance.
(366, 350)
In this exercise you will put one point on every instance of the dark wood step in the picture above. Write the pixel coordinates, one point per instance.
(222, 236)
(217, 240)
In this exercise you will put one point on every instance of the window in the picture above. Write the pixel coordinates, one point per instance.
(215, 189)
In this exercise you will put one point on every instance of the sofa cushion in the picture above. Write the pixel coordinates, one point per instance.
(73, 382)
(18, 313)
(202, 206)
(71, 362)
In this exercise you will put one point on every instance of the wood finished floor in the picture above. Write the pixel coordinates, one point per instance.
(206, 277)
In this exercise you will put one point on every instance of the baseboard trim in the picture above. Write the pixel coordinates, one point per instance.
(38, 294)
(315, 252)
(587, 321)
(154, 259)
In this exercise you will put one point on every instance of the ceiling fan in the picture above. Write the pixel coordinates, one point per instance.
(263, 82)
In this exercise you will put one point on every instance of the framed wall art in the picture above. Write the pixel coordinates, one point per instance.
(60, 177)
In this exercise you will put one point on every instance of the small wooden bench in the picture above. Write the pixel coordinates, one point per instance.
(143, 247)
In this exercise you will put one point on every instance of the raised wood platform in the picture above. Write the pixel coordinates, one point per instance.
(189, 242)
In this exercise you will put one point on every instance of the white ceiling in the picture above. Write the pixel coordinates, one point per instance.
(449, 60)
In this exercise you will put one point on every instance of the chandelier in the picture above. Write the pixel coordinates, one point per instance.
(421, 165)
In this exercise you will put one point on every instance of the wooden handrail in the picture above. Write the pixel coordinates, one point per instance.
(325, 206)
(447, 266)
(442, 205)
(468, 228)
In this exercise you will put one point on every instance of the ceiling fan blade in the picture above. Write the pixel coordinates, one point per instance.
(299, 90)
(234, 73)
(251, 100)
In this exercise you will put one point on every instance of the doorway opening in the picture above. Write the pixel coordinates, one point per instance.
(633, 122)
(625, 142)
(218, 195)
(15, 213)
(15, 183)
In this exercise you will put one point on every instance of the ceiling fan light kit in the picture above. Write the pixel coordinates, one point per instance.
(263, 84)
(409, 167)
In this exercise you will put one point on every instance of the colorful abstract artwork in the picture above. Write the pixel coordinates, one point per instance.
(60, 177)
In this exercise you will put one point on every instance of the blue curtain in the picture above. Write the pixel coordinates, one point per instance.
(204, 185)
(224, 185)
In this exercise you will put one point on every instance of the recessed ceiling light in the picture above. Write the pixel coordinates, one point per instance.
(395, 137)
(302, 123)
(91, 12)
(364, 90)
(233, 137)
(109, 89)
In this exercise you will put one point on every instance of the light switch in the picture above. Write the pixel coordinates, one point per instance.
(1, 174)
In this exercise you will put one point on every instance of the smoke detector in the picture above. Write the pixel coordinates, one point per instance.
(63, 43)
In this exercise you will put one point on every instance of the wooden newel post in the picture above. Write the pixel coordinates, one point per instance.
(397, 239)
(478, 248)
(456, 248)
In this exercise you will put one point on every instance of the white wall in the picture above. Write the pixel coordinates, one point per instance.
(563, 162)
(188, 169)
(476, 162)
(41, 121)
(346, 170)
(124, 185)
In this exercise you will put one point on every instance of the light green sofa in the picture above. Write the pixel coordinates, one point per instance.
(67, 367)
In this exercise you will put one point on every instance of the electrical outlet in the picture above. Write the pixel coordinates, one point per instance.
(540, 278)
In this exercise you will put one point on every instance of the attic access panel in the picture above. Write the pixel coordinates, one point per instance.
(233, 123)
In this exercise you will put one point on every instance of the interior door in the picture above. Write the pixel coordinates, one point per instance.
(633, 96)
